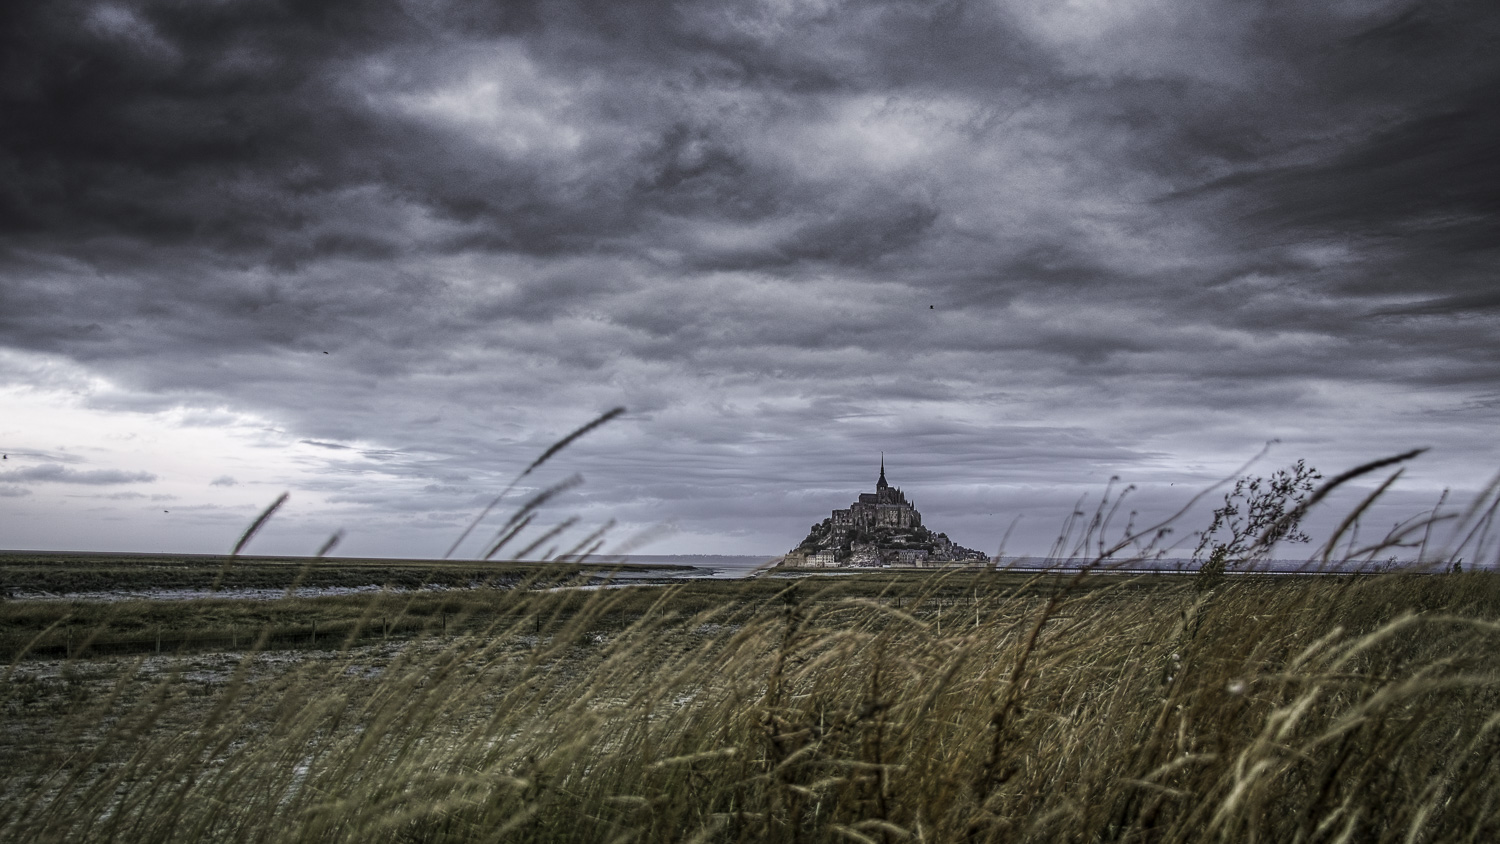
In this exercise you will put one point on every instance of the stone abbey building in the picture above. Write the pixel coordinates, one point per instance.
(880, 528)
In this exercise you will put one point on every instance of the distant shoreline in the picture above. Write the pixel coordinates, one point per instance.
(597, 562)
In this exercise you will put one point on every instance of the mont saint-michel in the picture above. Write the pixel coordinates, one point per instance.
(881, 528)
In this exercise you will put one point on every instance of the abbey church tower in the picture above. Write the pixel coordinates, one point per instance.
(879, 528)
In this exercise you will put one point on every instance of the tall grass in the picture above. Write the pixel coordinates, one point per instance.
(962, 706)
(1285, 709)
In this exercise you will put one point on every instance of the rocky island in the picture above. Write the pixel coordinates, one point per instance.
(879, 529)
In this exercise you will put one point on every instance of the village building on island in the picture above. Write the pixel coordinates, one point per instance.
(881, 528)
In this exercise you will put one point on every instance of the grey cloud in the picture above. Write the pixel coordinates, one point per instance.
(223, 480)
(49, 456)
(56, 473)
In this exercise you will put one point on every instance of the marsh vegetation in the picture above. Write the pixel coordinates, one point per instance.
(976, 706)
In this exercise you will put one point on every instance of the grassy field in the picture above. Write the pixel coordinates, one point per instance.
(972, 706)
(23, 573)
(111, 610)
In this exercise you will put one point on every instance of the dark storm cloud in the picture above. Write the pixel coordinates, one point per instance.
(1028, 243)
(1409, 185)
(1469, 302)
(276, 132)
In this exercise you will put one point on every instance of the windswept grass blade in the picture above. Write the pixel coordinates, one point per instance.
(556, 531)
(584, 548)
(328, 546)
(260, 522)
(1295, 514)
(570, 438)
(332, 542)
(248, 535)
(528, 510)
(546, 455)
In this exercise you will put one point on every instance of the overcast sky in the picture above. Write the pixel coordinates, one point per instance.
(381, 253)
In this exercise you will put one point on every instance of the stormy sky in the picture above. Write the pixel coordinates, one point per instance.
(382, 253)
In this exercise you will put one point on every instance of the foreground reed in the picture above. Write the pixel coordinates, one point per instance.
(969, 707)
